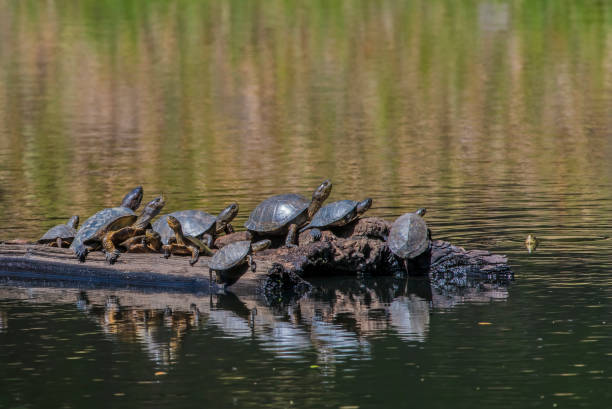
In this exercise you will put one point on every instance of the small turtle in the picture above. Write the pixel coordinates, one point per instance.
(285, 214)
(88, 237)
(62, 234)
(233, 260)
(184, 245)
(199, 224)
(149, 242)
(409, 236)
(531, 243)
(129, 226)
(337, 214)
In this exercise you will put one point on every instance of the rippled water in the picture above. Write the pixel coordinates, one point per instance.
(495, 115)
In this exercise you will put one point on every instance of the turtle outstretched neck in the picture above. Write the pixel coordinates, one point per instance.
(318, 197)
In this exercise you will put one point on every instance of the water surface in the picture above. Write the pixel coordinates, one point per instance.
(495, 115)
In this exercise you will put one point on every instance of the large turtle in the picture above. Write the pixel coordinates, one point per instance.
(87, 240)
(184, 244)
(337, 214)
(198, 224)
(285, 214)
(233, 260)
(122, 228)
(62, 234)
(409, 236)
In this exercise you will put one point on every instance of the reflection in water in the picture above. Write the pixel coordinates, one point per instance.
(3, 320)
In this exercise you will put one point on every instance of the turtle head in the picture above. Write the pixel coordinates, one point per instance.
(318, 197)
(227, 215)
(364, 206)
(174, 223)
(421, 212)
(151, 210)
(132, 200)
(261, 245)
(73, 222)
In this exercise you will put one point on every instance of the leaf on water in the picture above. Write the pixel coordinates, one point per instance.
(485, 323)
(159, 373)
(314, 366)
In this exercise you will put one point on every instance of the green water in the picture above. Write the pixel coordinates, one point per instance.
(495, 115)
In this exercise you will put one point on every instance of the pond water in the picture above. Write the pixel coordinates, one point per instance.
(495, 115)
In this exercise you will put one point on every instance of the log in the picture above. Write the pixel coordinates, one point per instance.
(357, 249)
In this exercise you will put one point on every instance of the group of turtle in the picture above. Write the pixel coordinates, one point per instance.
(193, 232)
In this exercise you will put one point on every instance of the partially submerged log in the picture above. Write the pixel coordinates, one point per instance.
(357, 249)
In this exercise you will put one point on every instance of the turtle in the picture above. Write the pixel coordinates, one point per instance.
(125, 227)
(285, 214)
(62, 234)
(337, 214)
(531, 243)
(233, 260)
(149, 242)
(87, 237)
(199, 224)
(184, 244)
(409, 236)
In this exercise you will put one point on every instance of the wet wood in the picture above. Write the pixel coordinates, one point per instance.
(356, 249)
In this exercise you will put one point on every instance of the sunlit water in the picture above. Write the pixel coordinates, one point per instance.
(495, 115)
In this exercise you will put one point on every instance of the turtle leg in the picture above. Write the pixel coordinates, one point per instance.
(80, 251)
(290, 240)
(210, 279)
(112, 254)
(228, 228)
(405, 262)
(195, 255)
(58, 241)
(252, 263)
(315, 234)
(208, 240)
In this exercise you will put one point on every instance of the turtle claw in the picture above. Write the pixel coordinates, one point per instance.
(315, 234)
(112, 257)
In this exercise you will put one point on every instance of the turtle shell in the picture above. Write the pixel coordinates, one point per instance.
(120, 216)
(408, 237)
(230, 256)
(195, 223)
(334, 213)
(276, 212)
(62, 231)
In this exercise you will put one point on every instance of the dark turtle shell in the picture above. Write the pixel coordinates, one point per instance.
(195, 223)
(62, 231)
(276, 212)
(118, 216)
(408, 237)
(335, 214)
(230, 256)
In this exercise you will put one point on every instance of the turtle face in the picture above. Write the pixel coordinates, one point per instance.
(132, 200)
(228, 214)
(364, 206)
(73, 222)
(153, 208)
(322, 191)
(173, 223)
(421, 212)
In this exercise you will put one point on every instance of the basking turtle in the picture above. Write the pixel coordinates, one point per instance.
(149, 242)
(233, 260)
(125, 227)
(62, 234)
(409, 236)
(337, 214)
(184, 245)
(199, 224)
(88, 239)
(285, 214)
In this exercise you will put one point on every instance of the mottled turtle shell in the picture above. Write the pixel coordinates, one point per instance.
(230, 256)
(335, 214)
(117, 216)
(408, 237)
(276, 212)
(195, 223)
(62, 231)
